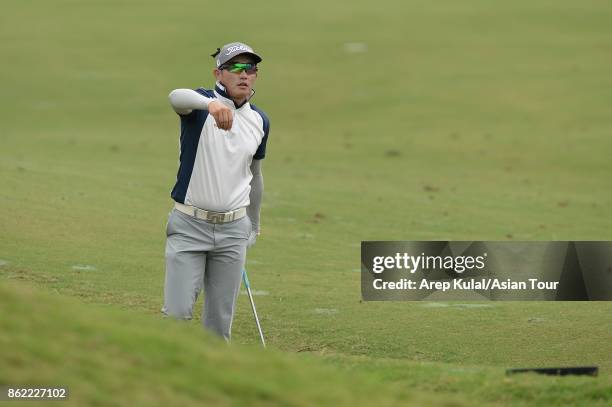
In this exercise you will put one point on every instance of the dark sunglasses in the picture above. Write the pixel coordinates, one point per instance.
(237, 68)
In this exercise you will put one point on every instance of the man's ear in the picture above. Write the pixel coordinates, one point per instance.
(217, 74)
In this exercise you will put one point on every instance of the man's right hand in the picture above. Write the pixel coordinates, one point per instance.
(223, 115)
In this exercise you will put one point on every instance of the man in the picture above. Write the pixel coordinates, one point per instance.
(218, 190)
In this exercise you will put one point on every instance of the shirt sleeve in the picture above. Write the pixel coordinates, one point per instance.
(185, 101)
(261, 150)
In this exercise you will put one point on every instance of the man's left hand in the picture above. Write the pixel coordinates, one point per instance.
(252, 239)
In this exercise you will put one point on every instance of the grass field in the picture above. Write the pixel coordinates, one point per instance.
(389, 121)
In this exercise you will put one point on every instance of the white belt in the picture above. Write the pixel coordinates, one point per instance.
(211, 216)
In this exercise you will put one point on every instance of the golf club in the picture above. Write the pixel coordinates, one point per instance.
(248, 288)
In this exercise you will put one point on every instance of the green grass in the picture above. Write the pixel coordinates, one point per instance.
(110, 357)
(503, 108)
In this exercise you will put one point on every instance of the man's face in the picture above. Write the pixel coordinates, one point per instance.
(237, 84)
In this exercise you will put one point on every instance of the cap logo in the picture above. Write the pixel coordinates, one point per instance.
(235, 48)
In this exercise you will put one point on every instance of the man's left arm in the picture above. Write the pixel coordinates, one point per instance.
(255, 198)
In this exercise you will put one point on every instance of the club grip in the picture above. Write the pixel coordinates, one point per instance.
(245, 278)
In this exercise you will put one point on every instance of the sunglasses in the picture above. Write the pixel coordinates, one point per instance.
(237, 68)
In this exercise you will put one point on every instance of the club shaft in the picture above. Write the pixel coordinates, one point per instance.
(248, 287)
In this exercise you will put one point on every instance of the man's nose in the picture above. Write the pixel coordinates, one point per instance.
(243, 74)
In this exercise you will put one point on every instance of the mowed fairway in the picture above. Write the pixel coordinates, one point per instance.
(390, 120)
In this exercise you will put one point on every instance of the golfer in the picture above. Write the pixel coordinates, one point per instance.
(218, 190)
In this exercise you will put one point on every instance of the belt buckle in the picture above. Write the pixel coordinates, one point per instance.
(215, 217)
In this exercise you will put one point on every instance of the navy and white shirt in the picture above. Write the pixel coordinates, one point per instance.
(214, 166)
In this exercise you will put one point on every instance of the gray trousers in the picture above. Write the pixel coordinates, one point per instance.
(204, 256)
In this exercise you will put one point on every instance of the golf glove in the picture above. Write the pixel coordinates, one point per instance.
(252, 239)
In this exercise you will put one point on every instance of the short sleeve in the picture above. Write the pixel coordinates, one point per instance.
(261, 150)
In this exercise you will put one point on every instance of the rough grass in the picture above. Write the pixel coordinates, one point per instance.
(106, 356)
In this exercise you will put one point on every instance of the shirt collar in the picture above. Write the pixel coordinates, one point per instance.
(223, 95)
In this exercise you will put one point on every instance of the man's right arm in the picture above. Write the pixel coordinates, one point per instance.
(184, 101)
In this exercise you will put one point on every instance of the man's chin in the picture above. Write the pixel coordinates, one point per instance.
(239, 94)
